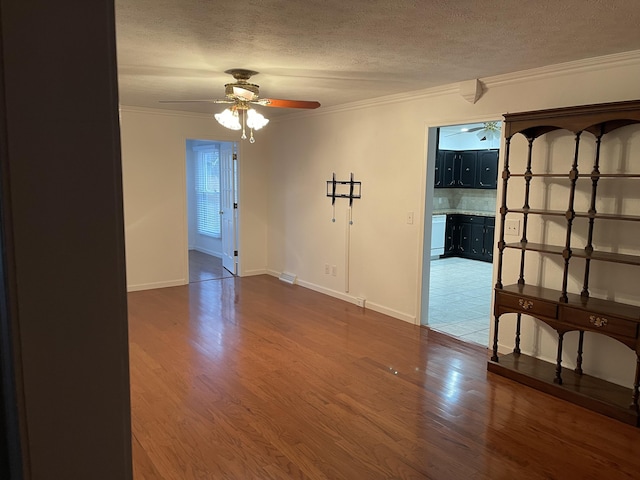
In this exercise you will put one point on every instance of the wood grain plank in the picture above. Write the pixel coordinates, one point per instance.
(245, 378)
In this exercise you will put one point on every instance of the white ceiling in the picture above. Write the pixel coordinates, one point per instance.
(341, 51)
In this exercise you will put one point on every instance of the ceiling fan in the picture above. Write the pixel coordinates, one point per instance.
(242, 95)
(487, 131)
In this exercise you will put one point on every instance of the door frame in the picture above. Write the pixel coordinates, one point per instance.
(428, 171)
(229, 207)
(237, 148)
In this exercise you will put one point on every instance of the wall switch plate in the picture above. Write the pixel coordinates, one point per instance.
(410, 218)
(512, 227)
(334, 270)
(327, 269)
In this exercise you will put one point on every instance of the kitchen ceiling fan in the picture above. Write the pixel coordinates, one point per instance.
(242, 95)
(487, 131)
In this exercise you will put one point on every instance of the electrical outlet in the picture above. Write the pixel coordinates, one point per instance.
(327, 269)
(360, 301)
(334, 270)
(512, 227)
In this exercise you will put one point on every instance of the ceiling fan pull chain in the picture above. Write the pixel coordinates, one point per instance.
(251, 139)
(244, 120)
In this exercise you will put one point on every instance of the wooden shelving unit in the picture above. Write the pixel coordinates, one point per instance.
(562, 310)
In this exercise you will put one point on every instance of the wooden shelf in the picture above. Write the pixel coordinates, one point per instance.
(609, 216)
(609, 175)
(599, 305)
(536, 247)
(562, 310)
(580, 175)
(590, 392)
(541, 175)
(611, 257)
(563, 213)
(597, 118)
(607, 257)
(534, 211)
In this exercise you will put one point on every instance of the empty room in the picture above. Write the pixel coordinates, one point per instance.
(224, 265)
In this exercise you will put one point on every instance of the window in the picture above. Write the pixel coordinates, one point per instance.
(208, 190)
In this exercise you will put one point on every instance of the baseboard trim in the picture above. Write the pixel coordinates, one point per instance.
(251, 273)
(151, 286)
(351, 299)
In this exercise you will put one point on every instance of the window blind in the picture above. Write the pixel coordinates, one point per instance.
(208, 192)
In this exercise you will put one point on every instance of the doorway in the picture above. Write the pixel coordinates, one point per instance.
(459, 284)
(212, 209)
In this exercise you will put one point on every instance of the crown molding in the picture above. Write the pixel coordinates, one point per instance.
(557, 70)
(376, 102)
(567, 68)
(163, 112)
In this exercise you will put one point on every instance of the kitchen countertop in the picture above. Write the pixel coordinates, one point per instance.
(451, 211)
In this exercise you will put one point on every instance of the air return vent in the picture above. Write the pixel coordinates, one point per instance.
(288, 277)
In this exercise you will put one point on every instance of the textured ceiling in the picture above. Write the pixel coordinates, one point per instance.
(340, 51)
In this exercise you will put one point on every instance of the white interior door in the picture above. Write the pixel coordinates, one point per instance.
(228, 207)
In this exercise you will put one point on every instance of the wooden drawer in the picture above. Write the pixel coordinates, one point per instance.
(598, 322)
(528, 305)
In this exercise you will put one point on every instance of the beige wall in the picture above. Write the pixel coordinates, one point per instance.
(153, 158)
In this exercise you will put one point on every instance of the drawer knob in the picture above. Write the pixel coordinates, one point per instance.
(525, 304)
(598, 321)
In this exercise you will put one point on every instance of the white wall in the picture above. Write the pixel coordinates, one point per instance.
(153, 161)
(384, 144)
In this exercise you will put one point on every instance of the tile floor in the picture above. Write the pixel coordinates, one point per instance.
(460, 292)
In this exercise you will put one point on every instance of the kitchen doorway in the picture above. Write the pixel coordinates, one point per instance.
(212, 209)
(462, 235)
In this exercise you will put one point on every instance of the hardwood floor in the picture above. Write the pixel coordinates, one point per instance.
(205, 267)
(252, 378)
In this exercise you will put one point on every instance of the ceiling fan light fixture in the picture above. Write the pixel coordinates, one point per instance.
(242, 94)
(229, 119)
(256, 120)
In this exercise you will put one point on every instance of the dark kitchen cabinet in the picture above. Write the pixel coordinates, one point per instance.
(458, 169)
(469, 236)
(450, 174)
(487, 169)
(438, 171)
(476, 241)
(489, 238)
(451, 236)
(466, 169)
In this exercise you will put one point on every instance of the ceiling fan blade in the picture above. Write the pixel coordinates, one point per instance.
(243, 93)
(197, 101)
(279, 103)
(470, 130)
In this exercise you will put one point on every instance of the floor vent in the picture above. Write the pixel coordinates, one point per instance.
(288, 277)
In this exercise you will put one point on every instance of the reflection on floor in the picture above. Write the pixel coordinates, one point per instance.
(205, 267)
(460, 292)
